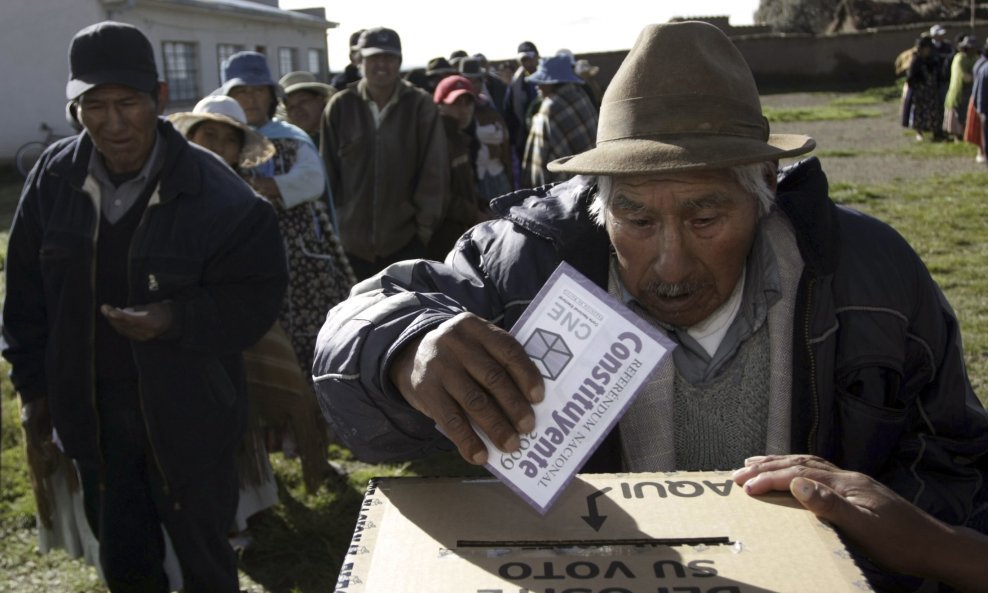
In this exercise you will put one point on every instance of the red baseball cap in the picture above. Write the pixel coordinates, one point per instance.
(451, 88)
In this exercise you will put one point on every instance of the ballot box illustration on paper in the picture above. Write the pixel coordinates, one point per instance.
(549, 352)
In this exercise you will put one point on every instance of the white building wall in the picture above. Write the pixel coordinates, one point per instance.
(37, 34)
(35, 68)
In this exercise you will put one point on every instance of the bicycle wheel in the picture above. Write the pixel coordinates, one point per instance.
(27, 156)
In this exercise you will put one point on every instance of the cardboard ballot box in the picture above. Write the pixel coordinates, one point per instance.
(616, 533)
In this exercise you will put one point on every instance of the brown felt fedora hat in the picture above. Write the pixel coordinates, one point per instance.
(683, 100)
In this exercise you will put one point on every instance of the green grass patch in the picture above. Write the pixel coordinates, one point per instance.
(872, 96)
(823, 113)
(930, 149)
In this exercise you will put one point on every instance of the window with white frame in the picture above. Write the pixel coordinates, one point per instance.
(181, 70)
(287, 60)
(316, 61)
(224, 51)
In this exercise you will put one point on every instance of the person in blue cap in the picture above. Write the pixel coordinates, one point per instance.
(518, 100)
(564, 125)
(138, 270)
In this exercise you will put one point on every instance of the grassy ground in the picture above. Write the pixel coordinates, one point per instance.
(299, 546)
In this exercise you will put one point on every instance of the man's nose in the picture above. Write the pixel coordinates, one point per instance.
(672, 262)
(116, 119)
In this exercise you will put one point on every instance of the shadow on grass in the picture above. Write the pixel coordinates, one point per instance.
(299, 546)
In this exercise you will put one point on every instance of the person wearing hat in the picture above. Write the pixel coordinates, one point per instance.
(385, 151)
(923, 78)
(495, 87)
(295, 181)
(351, 73)
(959, 89)
(455, 98)
(565, 123)
(492, 162)
(280, 396)
(588, 72)
(218, 124)
(802, 326)
(943, 53)
(305, 99)
(138, 269)
(518, 100)
(437, 69)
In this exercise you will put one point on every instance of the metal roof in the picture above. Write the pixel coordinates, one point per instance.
(246, 7)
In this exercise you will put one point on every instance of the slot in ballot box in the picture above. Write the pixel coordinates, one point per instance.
(680, 532)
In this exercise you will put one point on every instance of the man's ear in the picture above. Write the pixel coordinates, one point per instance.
(72, 115)
(162, 96)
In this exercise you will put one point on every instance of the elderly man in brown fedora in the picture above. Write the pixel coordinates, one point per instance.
(802, 327)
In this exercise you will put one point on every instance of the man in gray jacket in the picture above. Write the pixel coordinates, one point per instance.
(802, 327)
(385, 153)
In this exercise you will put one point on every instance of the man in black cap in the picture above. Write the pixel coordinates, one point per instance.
(385, 152)
(351, 73)
(518, 100)
(138, 269)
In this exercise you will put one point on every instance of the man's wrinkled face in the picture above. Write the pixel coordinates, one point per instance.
(381, 70)
(681, 240)
(304, 109)
(122, 122)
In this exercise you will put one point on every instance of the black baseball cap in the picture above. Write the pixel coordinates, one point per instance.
(110, 53)
(379, 40)
(528, 49)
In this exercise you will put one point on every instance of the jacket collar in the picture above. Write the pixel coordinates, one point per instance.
(803, 195)
(71, 161)
(558, 213)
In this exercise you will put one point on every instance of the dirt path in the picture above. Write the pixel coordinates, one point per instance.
(879, 146)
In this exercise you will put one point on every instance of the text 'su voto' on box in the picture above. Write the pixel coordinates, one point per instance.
(682, 532)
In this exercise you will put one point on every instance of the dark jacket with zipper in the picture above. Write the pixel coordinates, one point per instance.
(206, 242)
(879, 383)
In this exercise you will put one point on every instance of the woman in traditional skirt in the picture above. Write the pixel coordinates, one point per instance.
(923, 79)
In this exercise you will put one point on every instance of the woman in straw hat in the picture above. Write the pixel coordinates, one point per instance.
(218, 124)
(802, 326)
(281, 399)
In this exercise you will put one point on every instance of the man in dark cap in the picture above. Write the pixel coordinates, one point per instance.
(385, 152)
(138, 269)
(518, 99)
(351, 73)
(802, 327)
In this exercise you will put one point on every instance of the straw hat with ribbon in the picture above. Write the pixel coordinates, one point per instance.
(220, 108)
(683, 100)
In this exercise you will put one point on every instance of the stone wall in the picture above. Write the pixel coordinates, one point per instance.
(840, 61)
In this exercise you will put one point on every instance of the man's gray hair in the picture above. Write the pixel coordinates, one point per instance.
(752, 178)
